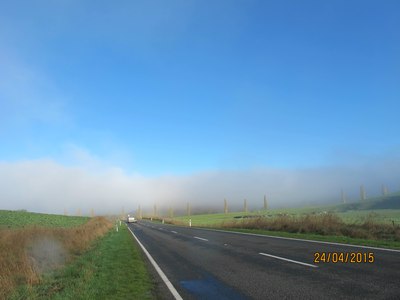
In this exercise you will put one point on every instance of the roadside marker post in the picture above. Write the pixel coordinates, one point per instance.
(190, 222)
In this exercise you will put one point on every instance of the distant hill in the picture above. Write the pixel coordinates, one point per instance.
(391, 201)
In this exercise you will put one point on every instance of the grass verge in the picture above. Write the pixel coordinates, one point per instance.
(27, 253)
(368, 230)
(383, 216)
(323, 238)
(325, 225)
(113, 268)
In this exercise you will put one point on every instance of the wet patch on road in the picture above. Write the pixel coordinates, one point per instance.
(211, 288)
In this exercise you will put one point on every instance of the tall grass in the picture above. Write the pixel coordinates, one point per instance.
(113, 268)
(325, 224)
(28, 252)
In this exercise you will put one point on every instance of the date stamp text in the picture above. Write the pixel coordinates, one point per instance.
(344, 257)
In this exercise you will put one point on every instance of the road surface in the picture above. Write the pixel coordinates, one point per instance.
(208, 264)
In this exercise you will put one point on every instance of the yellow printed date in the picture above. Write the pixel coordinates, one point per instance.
(344, 257)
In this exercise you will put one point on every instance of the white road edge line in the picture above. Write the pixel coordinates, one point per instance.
(289, 260)
(171, 288)
(174, 232)
(199, 238)
(303, 240)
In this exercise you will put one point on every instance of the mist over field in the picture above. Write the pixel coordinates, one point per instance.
(48, 186)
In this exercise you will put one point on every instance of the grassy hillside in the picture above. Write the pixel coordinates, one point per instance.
(18, 219)
(373, 222)
(383, 216)
(381, 209)
(388, 202)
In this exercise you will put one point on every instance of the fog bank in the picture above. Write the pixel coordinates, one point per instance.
(48, 186)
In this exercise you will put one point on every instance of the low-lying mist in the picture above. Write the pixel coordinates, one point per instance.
(47, 186)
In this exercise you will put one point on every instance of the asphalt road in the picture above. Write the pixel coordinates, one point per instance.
(206, 264)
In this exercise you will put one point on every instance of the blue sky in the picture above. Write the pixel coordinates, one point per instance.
(163, 88)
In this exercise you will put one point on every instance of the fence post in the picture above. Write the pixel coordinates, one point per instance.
(362, 193)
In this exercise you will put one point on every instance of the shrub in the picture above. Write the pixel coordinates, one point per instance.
(323, 224)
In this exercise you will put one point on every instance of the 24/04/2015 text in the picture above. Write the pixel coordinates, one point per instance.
(344, 257)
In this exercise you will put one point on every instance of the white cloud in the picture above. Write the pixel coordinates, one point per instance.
(47, 186)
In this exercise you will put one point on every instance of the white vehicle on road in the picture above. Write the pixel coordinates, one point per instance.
(131, 219)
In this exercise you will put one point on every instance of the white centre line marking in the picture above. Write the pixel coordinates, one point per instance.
(174, 232)
(199, 238)
(290, 260)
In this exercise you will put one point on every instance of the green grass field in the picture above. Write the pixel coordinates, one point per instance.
(113, 268)
(385, 210)
(384, 216)
(374, 222)
(18, 219)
